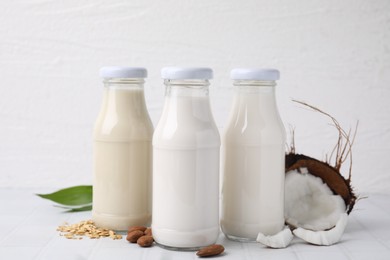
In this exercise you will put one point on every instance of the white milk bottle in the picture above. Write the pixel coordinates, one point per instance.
(122, 152)
(253, 152)
(186, 147)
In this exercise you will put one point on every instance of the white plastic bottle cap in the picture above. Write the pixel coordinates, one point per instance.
(186, 73)
(254, 74)
(123, 72)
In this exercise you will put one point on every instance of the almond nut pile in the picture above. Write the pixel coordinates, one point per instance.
(140, 235)
(86, 228)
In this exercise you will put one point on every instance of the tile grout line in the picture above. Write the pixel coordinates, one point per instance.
(293, 249)
(92, 252)
(44, 248)
(24, 220)
(376, 239)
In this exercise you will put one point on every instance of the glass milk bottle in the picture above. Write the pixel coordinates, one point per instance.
(186, 147)
(253, 152)
(122, 152)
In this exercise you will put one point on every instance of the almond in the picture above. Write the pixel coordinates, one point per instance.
(145, 241)
(148, 232)
(133, 236)
(210, 250)
(131, 229)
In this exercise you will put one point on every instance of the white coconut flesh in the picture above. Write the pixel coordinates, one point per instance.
(324, 238)
(309, 202)
(279, 240)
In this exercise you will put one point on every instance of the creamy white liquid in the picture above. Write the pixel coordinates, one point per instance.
(122, 161)
(186, 148)
(253, 168)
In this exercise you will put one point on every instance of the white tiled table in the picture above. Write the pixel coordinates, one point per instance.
(28, 231)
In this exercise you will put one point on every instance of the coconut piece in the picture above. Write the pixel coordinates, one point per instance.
(309, 202)
(317, 196)
(324, 238)
(329, 175)
(279, 240)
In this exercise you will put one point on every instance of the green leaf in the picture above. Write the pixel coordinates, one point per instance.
(72, 196)
(77, 209)
(84, 208)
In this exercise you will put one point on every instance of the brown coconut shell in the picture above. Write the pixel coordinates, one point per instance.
(328, 174)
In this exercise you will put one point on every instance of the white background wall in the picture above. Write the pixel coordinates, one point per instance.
(332, 54)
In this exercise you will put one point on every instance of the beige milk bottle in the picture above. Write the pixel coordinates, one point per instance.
(186, 147)
(253, 151)
(122, 152)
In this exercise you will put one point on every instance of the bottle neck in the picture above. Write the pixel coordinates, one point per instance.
(187, 102)
(255, 86)
(255, 83)
(124, 83)
(255, 89)
(254, 98)
(124, 97)
(186, 88)
(254, 114)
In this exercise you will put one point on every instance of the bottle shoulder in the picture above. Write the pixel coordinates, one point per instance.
(186, 135)
(110, 128)
(186, 122)
(123, 116)
(255, 133)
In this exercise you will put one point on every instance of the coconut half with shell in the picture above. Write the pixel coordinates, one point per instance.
(318, 198)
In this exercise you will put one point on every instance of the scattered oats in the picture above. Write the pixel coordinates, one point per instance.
(85, 228)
